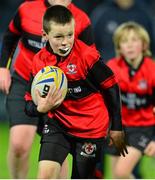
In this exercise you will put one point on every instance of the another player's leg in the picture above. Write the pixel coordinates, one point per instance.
(21, 139)
(22, 129)
(122, 167)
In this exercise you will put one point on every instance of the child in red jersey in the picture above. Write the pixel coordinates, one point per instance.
(26, 28)
(80, 124)
(135, 71)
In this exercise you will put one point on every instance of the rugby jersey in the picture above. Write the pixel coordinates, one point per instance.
(26, 26)
(83, 112)
(137, 91)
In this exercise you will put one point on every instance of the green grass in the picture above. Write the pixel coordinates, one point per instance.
(147, 166)
(3, 150)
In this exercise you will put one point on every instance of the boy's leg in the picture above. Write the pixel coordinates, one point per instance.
(49, 170)
(98, 172)
(51, 157)
(85, 156)
(46, 167)
(65, 166)
(64, 172)
(99, 169)
(54, 150)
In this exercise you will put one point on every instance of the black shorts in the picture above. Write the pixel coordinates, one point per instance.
(56, 145)
(15, 103)
(137, 137)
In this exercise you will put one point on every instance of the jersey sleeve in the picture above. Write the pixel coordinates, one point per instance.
(103, 75)
(105, 79)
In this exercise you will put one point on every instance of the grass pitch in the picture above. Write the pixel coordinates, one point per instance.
(147, 165)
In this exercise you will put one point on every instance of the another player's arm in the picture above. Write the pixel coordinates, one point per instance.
(9, 44)
(10, 41)
(110, 90)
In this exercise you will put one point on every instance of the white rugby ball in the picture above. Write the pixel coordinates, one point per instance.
(47, 76)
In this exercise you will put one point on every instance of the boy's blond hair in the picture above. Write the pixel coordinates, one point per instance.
(137, 28)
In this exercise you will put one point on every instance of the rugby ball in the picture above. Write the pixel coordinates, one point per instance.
(47, 76)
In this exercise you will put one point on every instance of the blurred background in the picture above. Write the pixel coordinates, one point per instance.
(105, 15)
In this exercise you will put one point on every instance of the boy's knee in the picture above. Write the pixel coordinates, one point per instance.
(48, 171)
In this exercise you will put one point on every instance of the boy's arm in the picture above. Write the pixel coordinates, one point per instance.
(109, 88)
(117, 137)
(113, 102)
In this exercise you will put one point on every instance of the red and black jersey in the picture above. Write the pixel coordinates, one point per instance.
(137, 91)
(83, 112)
(26, 26)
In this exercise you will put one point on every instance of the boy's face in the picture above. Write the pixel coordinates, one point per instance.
(131, 45)
(61, 38)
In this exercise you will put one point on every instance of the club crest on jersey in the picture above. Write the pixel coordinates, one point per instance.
(88, 150)
(142, 84)
(71, 69)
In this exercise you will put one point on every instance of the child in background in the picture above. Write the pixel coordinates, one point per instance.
(135, 71)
